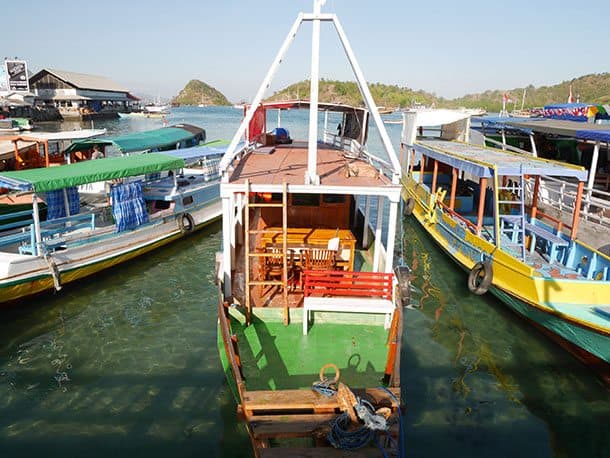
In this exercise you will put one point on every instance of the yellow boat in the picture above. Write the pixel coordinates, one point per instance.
(481, 206)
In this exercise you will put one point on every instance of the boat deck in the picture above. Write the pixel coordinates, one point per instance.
(270, 362)
(289, 163)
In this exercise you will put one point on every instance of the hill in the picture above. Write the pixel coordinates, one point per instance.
(347, 92)
(196, 92)
(593, 88)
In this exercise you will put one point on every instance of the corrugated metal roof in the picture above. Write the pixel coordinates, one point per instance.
(84, 81)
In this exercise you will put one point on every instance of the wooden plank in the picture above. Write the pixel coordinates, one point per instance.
(287, 426)
(309, 399)
(318, 452)
(291, 426)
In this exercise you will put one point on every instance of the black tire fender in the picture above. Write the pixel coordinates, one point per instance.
(186, 223)
(480, 277)
(408, 207)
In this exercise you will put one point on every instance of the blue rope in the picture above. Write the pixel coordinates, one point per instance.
(401, 432)
(325, 388)
(340, 437)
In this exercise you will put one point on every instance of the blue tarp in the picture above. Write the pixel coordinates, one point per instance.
(56, 205)
(598, 135)
(128, 206)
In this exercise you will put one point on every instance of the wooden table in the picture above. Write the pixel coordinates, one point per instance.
(302, 237)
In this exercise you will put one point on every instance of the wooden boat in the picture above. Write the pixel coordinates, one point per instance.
(309, 314)
(570, 141)
(471, 199)
(78, 240)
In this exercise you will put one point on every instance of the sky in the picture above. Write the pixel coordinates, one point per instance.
(449, 48)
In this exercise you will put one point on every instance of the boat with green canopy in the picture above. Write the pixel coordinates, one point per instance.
(163, 139)
(151, 202)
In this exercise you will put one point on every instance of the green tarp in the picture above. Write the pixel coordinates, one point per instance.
(137, 141)
(50, 178)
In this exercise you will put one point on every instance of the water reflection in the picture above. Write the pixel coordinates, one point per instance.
(486, 381)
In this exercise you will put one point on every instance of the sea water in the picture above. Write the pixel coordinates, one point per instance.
(126, 361)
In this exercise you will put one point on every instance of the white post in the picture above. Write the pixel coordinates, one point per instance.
(592, 172)
(37, 234)
(226, 247)
(279, 118)
(378, 244)
(232, 225)
(534, 150)
(503, 139)
(367, 222)
(311, 176)
(368, 98)
(389, 261)
(66, 202)
(325, 121)
(239, 218)
(230, 153)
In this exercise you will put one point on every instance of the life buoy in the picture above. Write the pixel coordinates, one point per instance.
(480, 277)
(408, 207)
(186, 223)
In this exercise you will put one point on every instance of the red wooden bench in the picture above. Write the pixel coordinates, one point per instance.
(345, 291)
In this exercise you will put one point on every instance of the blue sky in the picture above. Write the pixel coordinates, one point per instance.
(449, 48)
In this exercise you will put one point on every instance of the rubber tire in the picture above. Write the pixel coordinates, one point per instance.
(186, 223)
(477, 283)
(407, 209)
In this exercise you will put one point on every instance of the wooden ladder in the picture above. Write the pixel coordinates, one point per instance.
(253, 254)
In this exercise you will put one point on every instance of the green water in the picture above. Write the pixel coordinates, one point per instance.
(127, 362)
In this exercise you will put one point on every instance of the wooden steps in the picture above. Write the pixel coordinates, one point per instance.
(291, 426)
(302, 401)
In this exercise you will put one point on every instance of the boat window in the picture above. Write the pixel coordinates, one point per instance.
(188, 200)
(306, 200)
(333, 198)
(162, 204)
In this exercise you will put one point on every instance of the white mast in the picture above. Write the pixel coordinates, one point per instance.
(312, 146)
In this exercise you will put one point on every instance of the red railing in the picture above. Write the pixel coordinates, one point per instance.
(346, 283)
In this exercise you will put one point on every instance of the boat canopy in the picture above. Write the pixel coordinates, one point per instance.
(196, 153)
(141, 141)
(578, 130)
(482, 161)
(64, 176)
(454, 124)
(580, 112)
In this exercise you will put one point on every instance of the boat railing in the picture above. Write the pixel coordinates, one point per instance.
(507, 147)
(560, 195)
(54, 232)
(354, 147)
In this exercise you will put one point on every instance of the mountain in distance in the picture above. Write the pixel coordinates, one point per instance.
(197, 92)
(347, 93)
(594, 88)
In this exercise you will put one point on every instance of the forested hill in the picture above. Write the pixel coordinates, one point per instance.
(589, 88)
(347, 92)
(197, 92)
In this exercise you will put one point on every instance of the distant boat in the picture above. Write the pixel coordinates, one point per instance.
(14, 125)
(142, 114)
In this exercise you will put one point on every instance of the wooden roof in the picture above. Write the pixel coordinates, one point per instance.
(289, 163)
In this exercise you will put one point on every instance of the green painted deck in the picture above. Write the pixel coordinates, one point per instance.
(275, 356)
